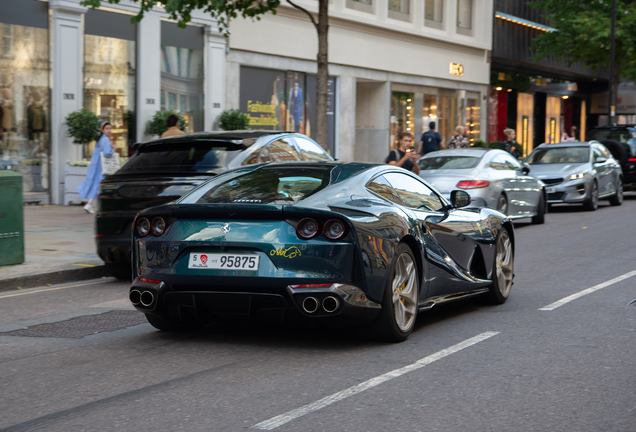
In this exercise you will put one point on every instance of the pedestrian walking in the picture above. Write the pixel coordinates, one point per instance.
(90, 187)
(572, 137)
(173, 126)
(404, 156)
(431, 140)
(458, 141)
(509, 144)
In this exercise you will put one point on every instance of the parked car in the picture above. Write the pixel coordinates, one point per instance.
(163, 170)
(578, 173)
(349, 243)
(620, 140)
(492, 177)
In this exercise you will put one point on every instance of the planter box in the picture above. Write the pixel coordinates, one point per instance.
(73, 177)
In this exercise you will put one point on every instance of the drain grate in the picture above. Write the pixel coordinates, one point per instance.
(82, 326)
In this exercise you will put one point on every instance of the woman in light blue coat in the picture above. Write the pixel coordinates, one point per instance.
(90, 187)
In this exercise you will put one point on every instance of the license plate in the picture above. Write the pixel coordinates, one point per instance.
(248, 262)
(550, 190)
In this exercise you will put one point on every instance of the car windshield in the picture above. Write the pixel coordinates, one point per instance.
(269, 185)
(199, 157)
(624, 136)
(449, 162)
(559, 155)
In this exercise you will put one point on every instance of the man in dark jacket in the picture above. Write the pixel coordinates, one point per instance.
(431, 140)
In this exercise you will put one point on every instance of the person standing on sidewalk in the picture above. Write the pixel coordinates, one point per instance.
(459, 141)
(90, 187)
(431, 140)
(173, 127)
(509, 144)
(404, 156)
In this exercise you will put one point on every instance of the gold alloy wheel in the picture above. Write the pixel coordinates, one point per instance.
(505, 264)
(404, 292)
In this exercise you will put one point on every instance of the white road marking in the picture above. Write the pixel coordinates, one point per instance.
(280, 420)
(568, 299)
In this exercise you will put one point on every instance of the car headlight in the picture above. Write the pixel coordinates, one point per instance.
(577, 176)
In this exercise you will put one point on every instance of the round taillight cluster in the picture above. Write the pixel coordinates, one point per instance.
(145, 227)
(309, 228)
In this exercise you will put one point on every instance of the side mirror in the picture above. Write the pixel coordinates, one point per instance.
(600, 160)
(525, 169)
(460, 198)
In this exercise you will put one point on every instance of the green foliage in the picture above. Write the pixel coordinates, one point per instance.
(31, 162)
(79, 163)
(159, 123)
(584, 33)
(233, 119)
(514, 80)
(479, 143)
(83, 126)
(221, 10)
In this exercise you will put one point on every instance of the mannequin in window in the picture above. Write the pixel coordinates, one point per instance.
(36, 122)
(8, 123)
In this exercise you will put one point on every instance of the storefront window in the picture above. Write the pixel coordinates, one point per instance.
(473, 115)
(433, 12)
(402, 115)
(182, 73)
(109, 75)
(447, 115)
(24, 97)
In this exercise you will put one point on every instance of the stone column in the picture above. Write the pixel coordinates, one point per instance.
(346, 118)
(214, 75)
(67, 60)
(148, 71)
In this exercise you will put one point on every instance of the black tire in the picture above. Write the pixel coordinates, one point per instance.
(502, 204)
(539, 219)
(170, 325)
(592, 203)
(617, 150)
(617, 198)
(386, 326)
(502, 269)
(122, 271)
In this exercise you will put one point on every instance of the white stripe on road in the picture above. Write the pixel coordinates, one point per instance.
(373, 382)
(568, 299)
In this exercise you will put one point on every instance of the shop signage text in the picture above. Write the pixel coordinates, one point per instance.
(456, 69)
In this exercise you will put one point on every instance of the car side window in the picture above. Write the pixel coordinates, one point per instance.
(596, 153)
(310, 150)
(280, 150)
(381, 186)
(604, 151)
(512, 163)
(500, 163)
(414, 193)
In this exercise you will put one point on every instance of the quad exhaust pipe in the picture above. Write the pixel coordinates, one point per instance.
(145, 298)
(329, 304)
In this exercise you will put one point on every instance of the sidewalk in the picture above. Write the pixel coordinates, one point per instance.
(59, 247)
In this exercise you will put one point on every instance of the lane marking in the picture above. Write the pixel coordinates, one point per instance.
(280, 420)
(579, 294)
(54, 289)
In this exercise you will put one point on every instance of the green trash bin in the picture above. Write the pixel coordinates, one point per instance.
(11, 218)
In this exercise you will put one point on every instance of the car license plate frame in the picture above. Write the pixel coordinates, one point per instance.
(224, 261)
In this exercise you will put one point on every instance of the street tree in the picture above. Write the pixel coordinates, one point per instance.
(584, 34)
(224, 11)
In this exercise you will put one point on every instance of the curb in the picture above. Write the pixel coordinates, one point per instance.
(53, 278)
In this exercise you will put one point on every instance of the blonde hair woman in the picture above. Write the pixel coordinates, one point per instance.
(459, 141)
(509, 144)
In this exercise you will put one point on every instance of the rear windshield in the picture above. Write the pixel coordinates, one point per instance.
(449, 162)
(559, 155)
(276, 185)
(182, 157)
(626, 137)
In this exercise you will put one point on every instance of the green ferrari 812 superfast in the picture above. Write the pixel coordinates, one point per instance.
(348, 244)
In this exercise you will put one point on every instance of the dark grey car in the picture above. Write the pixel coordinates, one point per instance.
(578, 173)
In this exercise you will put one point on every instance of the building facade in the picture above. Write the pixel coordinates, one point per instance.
(395, 66)
(57, 57)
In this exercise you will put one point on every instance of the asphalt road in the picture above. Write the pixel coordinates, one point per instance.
(528, 365)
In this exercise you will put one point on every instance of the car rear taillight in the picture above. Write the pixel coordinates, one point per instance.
(334, 229)
(632, 160)
(473, 184)
(158, 226)
(150, 280)
(307, 228)
(311, 286)
(143, 226)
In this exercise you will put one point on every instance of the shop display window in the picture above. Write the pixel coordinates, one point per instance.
(24, 104)
(402, 115)
(473, 115)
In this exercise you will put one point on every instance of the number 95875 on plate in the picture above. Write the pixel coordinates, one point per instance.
(247, 262)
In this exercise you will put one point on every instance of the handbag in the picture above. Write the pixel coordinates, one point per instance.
(110, 165)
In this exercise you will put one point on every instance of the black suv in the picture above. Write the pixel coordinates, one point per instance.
(163, 170)
(620, 140)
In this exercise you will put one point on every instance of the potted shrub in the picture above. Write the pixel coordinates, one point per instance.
(83, 127)
(233, 119)
(158, 124)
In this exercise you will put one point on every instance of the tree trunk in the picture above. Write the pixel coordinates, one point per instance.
(322, 89)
